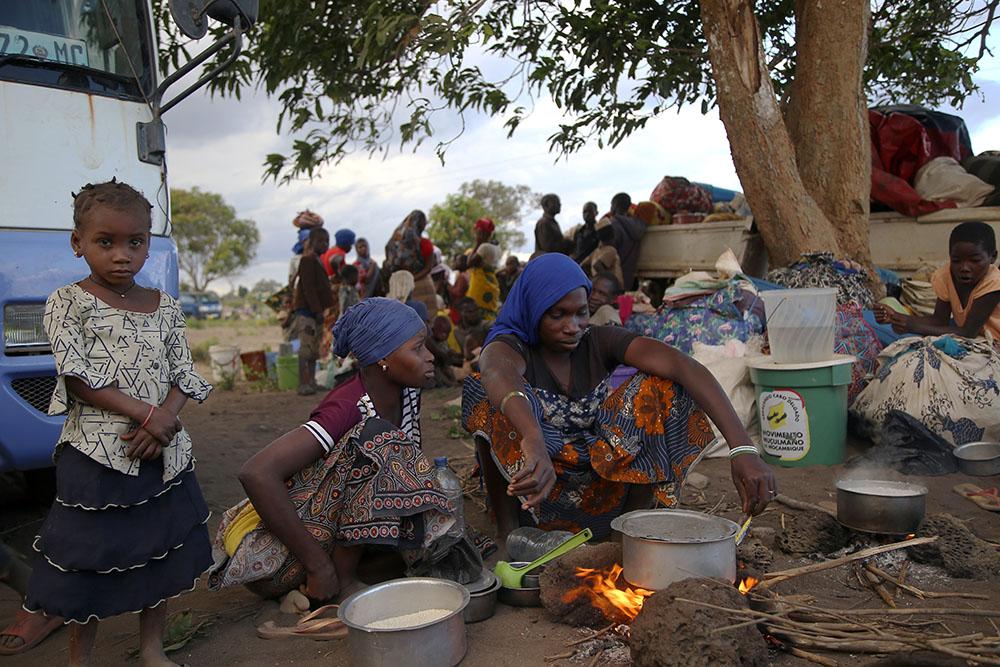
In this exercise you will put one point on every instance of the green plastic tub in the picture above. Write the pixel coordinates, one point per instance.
(288, 372)
(802, 410)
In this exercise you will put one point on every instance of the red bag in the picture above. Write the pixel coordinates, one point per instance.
(676, 194)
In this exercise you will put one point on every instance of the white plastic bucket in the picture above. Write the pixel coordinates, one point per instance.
(225, 361)
(800, 323)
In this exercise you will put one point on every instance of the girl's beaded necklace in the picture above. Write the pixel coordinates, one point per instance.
(111, 289)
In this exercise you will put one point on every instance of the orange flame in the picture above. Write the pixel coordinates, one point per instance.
(601, 586)
(748, 583)
(910, 536)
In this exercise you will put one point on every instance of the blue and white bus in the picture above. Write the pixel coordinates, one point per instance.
(80, 102)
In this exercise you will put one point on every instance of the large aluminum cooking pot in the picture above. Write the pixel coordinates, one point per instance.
(880, 506)
(440, 643)
(662, 546)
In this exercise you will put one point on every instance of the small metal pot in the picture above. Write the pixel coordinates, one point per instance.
(878, 506)
(980, 459)
(440, 643)
(521, 597)
(662, 546)
(482, 601)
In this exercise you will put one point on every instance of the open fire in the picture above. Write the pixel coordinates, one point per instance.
(619, 602)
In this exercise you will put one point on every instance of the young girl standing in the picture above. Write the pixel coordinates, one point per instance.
(127, 529)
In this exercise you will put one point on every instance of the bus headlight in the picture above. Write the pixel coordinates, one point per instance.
(23, 332)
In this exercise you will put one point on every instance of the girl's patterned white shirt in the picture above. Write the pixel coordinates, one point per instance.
(141, 354)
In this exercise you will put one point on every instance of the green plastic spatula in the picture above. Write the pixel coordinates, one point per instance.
(510, 576)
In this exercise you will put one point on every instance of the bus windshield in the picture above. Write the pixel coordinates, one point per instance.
(108, 36)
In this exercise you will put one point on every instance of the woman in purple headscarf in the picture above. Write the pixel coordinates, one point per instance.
(558, 447)
(353, 475)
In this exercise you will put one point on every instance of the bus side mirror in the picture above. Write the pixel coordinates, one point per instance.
(191, 16)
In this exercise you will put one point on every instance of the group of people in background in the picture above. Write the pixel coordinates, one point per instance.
(458, 300)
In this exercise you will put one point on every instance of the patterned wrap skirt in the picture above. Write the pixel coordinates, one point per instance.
(375, 488)
(114, 543)
(647, 431)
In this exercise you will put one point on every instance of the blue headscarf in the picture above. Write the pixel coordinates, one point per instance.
(303, 235)
(544, 281)
(374, 328)
(344, 238)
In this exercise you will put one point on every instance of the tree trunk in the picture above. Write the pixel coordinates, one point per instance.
(788, 217)
(827, 116)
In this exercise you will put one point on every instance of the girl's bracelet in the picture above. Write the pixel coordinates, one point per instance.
(148, 415)
(743, 449)
(510, 395)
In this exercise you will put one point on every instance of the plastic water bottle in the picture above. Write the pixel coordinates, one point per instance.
(452, 487)
(527, 543)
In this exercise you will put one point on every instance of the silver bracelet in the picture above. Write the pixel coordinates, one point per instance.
(743, 449)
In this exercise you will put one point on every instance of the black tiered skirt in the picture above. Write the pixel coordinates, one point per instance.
(113, 543)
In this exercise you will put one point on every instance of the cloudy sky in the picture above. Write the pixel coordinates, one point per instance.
(219, 145)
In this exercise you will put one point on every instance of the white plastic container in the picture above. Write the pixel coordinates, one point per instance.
(225, 361)
(800, 324)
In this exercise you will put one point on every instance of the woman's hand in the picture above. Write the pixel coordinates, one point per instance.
(142, 445)
(534, 481)
(162, 425)
(754, 481)
(321, 583)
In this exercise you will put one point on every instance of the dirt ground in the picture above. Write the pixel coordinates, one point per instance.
(232, 425)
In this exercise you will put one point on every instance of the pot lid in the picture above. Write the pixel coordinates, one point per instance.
(485, 582)
(675, 526)
(883, 488)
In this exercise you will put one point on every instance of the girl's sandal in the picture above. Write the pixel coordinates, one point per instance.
(20, 629)
(988, 499)
(312, 626)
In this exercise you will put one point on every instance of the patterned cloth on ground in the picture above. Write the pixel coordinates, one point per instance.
(855, 337)
(731, 313)
(950, 384)
(648, 431)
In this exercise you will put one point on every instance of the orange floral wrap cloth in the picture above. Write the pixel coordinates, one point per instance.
(648, 431)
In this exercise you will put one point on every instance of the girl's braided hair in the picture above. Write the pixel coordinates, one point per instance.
(112, 194)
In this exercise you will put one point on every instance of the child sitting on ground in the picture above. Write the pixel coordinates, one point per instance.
(470, 325)
(445, 359)
(348, 292)
(967, 290)
(127, 530)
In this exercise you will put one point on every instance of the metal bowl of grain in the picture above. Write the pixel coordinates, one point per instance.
(980, 459)
(415, 622)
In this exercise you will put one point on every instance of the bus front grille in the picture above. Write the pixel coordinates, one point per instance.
(37, 392)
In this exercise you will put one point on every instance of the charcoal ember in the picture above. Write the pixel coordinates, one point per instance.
(811, 532)
(957, 550)
(668, 633)
(559, 581)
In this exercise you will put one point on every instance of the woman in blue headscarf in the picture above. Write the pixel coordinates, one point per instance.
(351, 476)
(558, 447)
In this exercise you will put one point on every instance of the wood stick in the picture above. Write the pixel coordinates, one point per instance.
(596, 658)
(920, 593)
(876, 584)
(802, 505)
(561, 656)
(772, 578)
(901, 578)
(811, 657)
(593, 635)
